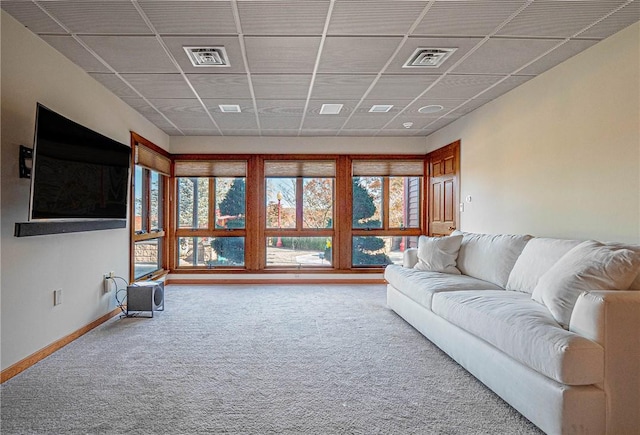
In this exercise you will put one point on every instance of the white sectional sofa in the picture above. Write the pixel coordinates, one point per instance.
(539, 321)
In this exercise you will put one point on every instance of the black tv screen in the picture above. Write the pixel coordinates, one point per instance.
(77, 174)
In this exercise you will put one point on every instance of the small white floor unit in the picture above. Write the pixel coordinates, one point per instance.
(145, 296)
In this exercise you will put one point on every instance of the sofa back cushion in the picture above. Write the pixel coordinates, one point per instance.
(536, 258)
(489, 257)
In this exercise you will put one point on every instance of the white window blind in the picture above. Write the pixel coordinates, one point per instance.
(152, 160)
(384, 168)
(210, 168)
(300, 168)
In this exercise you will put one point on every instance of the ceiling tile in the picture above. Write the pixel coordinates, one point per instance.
(190, 17)
(466, 17)
(468, 107)
(557, 18)
(76, 53)
(31, 16)
(504, 86)
(615, 22)
(281, 86)
(240, 132)
(558, 55)
(461, 86)
(280, 132)
(271, 54)
(368, 121)
(341, 86)
(236, 121)
(374, 17)
(184, 113)
(323, 122)
(220, 85)
(401, 86)
(97, 17)
(160, 85)
(358, 132)
(283, 17)
(281, 107)
(202, 132)
(504, 56)
(356, 54)
(462, 46)
(172, 131)
(149, 112)
(393, 132)
(312, 132)
(114, 84)
(270, 122)
(231, 45)
(419, 121)
(131, 54)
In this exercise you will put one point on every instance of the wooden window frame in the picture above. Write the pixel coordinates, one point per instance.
(163, 211)
(256, 231)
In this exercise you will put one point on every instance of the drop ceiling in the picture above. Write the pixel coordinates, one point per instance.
(289, 57)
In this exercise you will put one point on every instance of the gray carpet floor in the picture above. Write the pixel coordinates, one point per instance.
(256, 360)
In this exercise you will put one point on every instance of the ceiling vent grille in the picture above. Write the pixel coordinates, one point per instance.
(330, 109)
(229, 108)
(207, 56)
(380, 108)
(429, 57)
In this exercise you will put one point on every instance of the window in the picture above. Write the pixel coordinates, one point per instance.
(386, 210)
(211, 214)
(299, 207)
(149, 181)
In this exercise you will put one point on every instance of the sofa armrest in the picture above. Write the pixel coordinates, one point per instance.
(612, 318)
(410, 257)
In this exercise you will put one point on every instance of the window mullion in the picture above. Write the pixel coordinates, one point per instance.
(299, 205)
(211, 225)
(386, 203)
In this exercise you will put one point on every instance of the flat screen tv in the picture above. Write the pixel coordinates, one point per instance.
(77, 173)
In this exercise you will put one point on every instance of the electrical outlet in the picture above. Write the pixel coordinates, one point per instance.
(106, 282)
(57, 297)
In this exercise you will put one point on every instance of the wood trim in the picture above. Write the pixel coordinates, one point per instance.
(277, 269)
(273, 281)
(32, 359)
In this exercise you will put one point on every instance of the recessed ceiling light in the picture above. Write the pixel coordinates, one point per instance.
(330, 109)
(407, 124)
(428, 57)
(207, 56)
(229, 108)
(432, 108)
(380, 108)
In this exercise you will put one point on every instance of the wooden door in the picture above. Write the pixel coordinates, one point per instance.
(443, 195)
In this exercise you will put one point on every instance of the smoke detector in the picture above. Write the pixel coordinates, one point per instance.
(380, 108)
(207, 56)
(428, 57)
(407, 124)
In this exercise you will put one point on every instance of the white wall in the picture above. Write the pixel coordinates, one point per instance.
(33, 267)
(560, 155)
(297, 145)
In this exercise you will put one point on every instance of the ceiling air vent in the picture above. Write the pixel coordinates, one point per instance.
(330, 109)
(229, 108)
(207, 56)
(428, 57)
(380, 108)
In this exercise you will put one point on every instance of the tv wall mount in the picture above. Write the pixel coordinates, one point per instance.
(25, 154)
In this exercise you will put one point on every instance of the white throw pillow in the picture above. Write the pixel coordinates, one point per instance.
(438, 254)
(589, 266)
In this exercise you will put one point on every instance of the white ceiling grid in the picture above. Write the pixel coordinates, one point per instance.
(288, 57)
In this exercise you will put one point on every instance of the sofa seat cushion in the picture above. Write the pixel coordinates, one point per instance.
(526, 331)
(421, 285)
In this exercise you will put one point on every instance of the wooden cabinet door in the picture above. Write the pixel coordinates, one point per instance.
(444, 168)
